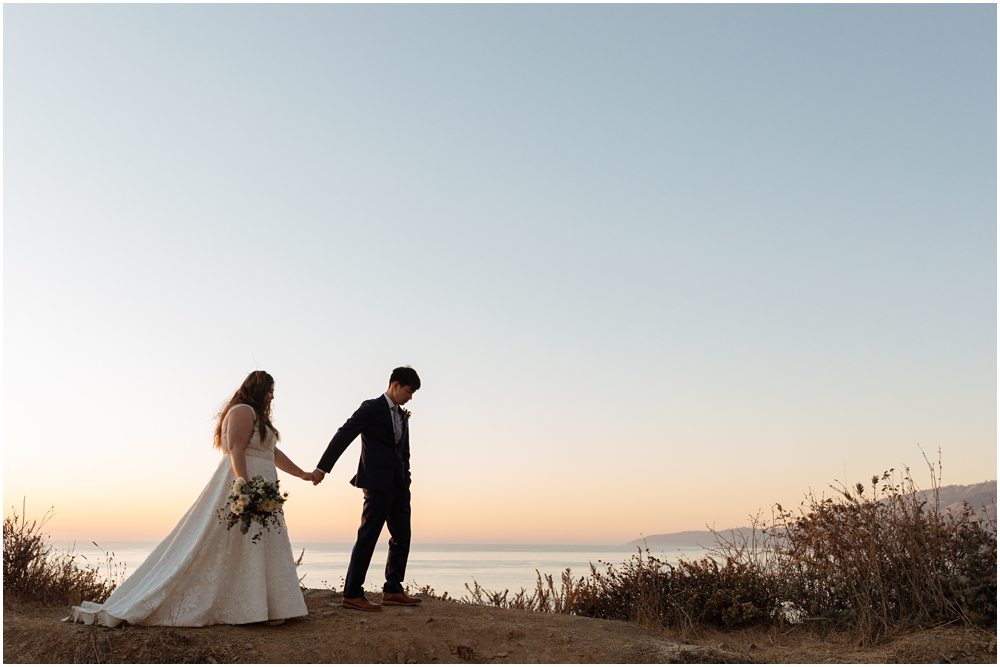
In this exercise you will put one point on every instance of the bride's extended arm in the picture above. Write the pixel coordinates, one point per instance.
(283, 463)
(238, 434)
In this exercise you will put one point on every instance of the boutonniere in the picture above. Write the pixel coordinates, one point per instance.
(406, 414)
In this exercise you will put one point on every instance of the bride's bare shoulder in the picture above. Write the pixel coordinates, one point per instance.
(240, 413)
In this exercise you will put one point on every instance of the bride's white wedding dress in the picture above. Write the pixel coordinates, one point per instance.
(202, 573)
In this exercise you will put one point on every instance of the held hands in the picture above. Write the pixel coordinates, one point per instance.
(316, 476)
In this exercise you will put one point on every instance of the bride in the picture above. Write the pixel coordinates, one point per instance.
(202, 573)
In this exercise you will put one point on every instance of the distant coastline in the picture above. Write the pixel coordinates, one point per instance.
(950, 498)
(689, 539)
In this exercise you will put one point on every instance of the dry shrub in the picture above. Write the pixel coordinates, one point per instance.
(887, 558)
(34, 573)
(689, 594)
(871, 563)
(648, 591)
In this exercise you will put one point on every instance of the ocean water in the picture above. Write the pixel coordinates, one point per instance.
(443, 567)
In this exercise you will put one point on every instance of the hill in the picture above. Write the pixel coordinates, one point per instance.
(449, 632)
(951, 497)
(688, 539)
(979, 496)
(437, 631)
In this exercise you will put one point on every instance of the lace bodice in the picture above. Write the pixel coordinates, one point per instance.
(256, 448)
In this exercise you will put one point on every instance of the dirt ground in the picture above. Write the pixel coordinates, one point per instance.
(449, 632)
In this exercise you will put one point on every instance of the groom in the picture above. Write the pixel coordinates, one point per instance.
(384, 476)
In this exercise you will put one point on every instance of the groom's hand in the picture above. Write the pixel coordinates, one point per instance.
(317, 476)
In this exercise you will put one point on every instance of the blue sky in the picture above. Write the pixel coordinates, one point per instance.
(658, 266)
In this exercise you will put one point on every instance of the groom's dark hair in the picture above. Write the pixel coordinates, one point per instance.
(406, 377)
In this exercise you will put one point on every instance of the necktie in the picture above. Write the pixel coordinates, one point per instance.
(397, 427)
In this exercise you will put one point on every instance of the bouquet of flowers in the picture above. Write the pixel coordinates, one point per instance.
(257, 500)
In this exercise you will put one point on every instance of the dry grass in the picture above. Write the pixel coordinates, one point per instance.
(649, 591)
(33, 572)
(883, 558)
(868, 563)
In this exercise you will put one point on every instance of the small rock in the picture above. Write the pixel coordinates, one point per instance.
(428, 619)
(401, 658)
(212, 661)
(551, 634)
(500, 655)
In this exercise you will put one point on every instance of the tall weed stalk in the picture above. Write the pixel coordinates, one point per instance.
(33, 572)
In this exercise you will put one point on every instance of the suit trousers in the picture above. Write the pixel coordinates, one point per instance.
(382, 508)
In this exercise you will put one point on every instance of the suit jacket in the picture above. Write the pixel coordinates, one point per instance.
(384, 462)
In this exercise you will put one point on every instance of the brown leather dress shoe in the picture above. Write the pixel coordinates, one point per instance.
(399, 598)
(361, 604)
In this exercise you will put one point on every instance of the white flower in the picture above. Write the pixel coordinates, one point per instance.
(238, 485)
(236, 509)
(243, 499)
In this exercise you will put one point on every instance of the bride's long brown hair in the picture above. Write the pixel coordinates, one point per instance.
(252, 392)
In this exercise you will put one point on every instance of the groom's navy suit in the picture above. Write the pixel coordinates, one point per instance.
(384, 475)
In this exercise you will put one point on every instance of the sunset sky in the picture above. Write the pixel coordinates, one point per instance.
(657, 266)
